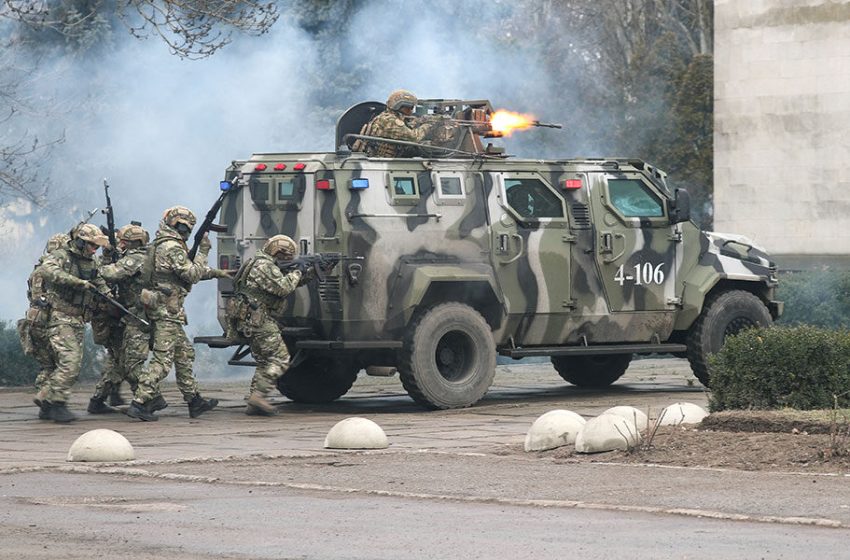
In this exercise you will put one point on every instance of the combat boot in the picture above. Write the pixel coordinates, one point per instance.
(157, 403)
(198, 405)
(141, 412)
(59, 413)
(43, 409)
(97, 406)
(257, 405)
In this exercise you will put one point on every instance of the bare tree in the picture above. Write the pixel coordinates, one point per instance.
(191, 28)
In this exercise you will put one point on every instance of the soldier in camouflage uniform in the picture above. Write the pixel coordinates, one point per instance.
(70, 274)
(396, 123)
(168, 276)
(260, 288)
(33, 328)
(128, 343)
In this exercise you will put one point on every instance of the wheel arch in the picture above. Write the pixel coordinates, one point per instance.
(696, 294)
(432, 285)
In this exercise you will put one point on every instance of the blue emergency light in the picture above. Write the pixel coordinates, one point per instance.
(359, 184)
(225, 185)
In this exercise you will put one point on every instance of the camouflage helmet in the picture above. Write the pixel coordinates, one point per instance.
(179, 214)
(56, 241)
(401, 98)
(132, 232)
(280, 244)
(90, 233)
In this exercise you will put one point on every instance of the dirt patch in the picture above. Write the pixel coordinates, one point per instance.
(751, 440)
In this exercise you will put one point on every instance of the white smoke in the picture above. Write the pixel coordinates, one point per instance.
(162, 130)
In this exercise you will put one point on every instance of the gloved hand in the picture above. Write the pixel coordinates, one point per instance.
(204, 245)
(221, 273)
(86, 285)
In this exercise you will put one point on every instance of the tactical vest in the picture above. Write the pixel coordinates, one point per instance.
(67, 299)
(150, 277)
(130, 288)
(254, 295)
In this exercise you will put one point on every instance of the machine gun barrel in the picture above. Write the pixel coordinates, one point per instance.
(418, 145)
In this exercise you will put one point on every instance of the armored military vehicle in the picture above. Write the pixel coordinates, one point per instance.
(467, 253)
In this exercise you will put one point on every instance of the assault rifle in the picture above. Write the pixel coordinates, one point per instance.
(320, 263)
(208, 224)
(109, 231)
(118, 306)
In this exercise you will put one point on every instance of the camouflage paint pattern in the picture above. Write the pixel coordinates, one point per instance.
(591, 270)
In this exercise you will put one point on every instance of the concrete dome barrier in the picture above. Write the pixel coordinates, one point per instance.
(682, 413)
(101, 445)
(555, 428)
(356, 433)
(606, 432)
(631, 414)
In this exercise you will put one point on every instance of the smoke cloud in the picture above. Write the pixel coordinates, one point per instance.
(162, 130)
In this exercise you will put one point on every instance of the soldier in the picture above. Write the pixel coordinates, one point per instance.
(396, 123)
(168, 276)
(33, 328)
(260, 288)
(128, 340)
(70, 274)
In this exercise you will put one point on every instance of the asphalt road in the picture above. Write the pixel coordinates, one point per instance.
(453, 484)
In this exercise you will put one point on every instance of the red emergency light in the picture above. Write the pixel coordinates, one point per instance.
(572, 184)
(299, 166)
(325, 184)
(280, 167)
(260, 167)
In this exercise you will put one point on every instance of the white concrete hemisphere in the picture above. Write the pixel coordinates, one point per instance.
(606, 432)
(356, 433)
(552, 429)
(631, 414)
(101, 445)
(682, 413)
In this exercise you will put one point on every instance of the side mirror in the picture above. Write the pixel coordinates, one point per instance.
(679, 209)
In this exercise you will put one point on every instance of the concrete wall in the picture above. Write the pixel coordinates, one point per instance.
(782, 125)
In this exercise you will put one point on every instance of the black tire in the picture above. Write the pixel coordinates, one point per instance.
(592, 372)
(318, 380)
(449, 357)
(723, 314)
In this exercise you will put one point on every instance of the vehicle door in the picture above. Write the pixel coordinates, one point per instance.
(531, 245)
(636, 246)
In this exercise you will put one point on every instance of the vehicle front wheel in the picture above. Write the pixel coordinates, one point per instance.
(318, 379)
(592, 372)
(723, 314)
(449, 357)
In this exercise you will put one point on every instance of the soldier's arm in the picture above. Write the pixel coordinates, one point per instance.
(125, 268)
(272, 280)
(171, 256)
(52, 270)
(212, 273)
(414, 132)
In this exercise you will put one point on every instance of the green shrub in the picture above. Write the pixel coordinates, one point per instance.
(815, 297)
(799, 367)
(16, 368)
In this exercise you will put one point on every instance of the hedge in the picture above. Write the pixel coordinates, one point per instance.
(801, 367)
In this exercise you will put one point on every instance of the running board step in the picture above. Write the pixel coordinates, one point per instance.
(596, 350)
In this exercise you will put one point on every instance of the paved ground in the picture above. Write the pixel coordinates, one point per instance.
(452, 484)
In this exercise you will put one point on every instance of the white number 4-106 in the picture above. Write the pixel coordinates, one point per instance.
(645, 273)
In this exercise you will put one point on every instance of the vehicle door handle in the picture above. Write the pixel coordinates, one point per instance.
(608, 246)
(520, 250)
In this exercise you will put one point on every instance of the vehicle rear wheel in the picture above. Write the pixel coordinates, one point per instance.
(449, 357)
(592, 372)
(723, 315)
(318, 380)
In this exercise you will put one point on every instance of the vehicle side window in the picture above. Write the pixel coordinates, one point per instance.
(531, 198)
(451, 186)
(634, 199)
(286, 189)
(404, 186)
